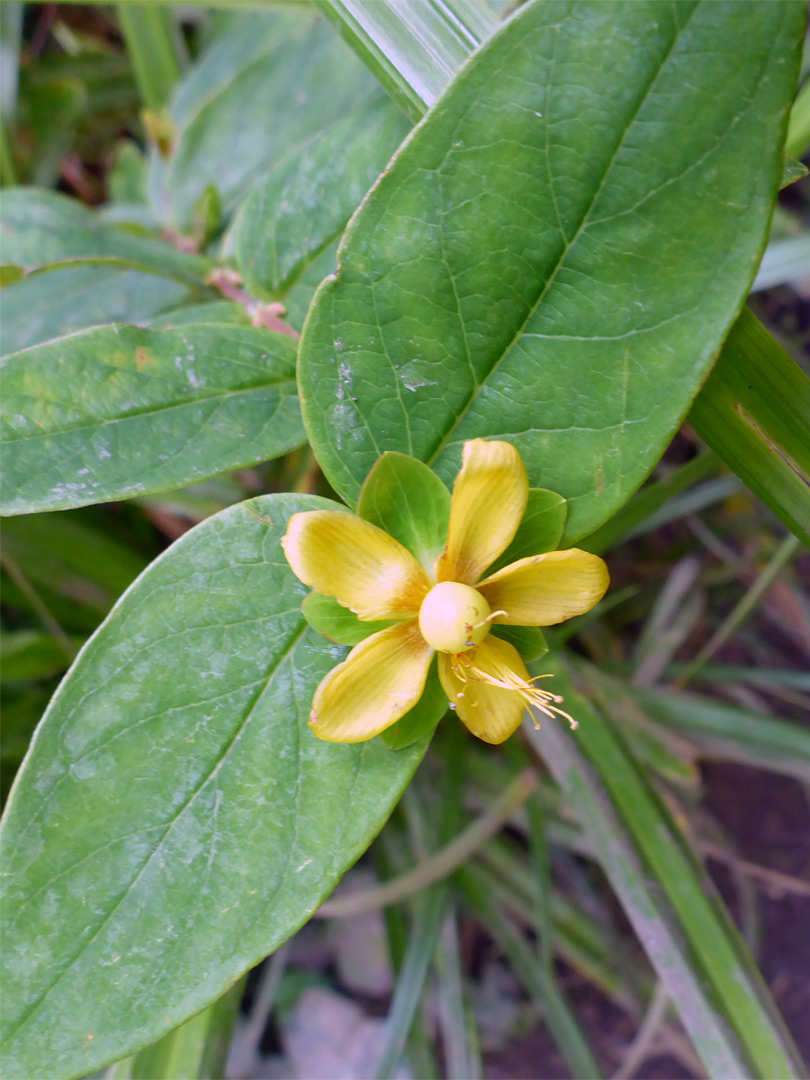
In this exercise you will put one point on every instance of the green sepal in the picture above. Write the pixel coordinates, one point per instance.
(407, 500)
(420, 721)
(334, 621)
(528, 640)
(540, 530)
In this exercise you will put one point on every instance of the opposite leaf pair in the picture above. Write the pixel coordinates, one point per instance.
(417, 592)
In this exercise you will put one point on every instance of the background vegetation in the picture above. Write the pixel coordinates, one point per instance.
(524, 912)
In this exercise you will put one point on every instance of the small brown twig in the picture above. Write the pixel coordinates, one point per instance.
(267, 315)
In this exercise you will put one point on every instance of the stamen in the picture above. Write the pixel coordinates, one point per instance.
(470, 628)
(503, 677)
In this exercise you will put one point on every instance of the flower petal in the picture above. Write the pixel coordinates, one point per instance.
(364, 568)
(546, 589)
(378, 682)
(489, 498)
(490, 712)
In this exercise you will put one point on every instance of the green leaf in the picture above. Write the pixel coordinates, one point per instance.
(127, 178)
(298, 298)
(640, 513)
(406, 499)
(39, 226)
(118, 411)
(754, 412)
(243, 117)
(304, 203)
(175, 819)
(540, 530)
(48, 305)
(798, 136)
(505, 277)
(334, 621)
(419, 722)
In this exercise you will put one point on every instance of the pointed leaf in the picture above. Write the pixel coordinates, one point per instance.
(175, 819)
(118, 411)
(510, 263)
(529, 641)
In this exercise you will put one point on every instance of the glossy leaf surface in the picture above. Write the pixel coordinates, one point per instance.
(119, 411)
(175, 819)
(506, 276)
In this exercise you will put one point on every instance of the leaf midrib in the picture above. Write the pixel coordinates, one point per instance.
(446, 439)
(162, 409)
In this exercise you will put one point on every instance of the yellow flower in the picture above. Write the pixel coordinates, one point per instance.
(444, 609)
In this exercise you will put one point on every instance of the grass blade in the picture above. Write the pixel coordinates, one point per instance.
(534, 975)
(413, 50)
(754, 412)
(723, 990)
(153, 47)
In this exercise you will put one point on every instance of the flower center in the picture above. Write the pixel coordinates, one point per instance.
(454, 617)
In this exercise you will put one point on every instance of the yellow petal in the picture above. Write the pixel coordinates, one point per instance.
(489, 499)
(364, 568)
(378, 682)
(546, 589)
(490, 712)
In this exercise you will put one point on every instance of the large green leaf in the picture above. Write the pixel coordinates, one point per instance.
(119, 411)
(554, 257)
(175, 819)
(39, 226)
(260, 92)
(47, 305)
(303, 205)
